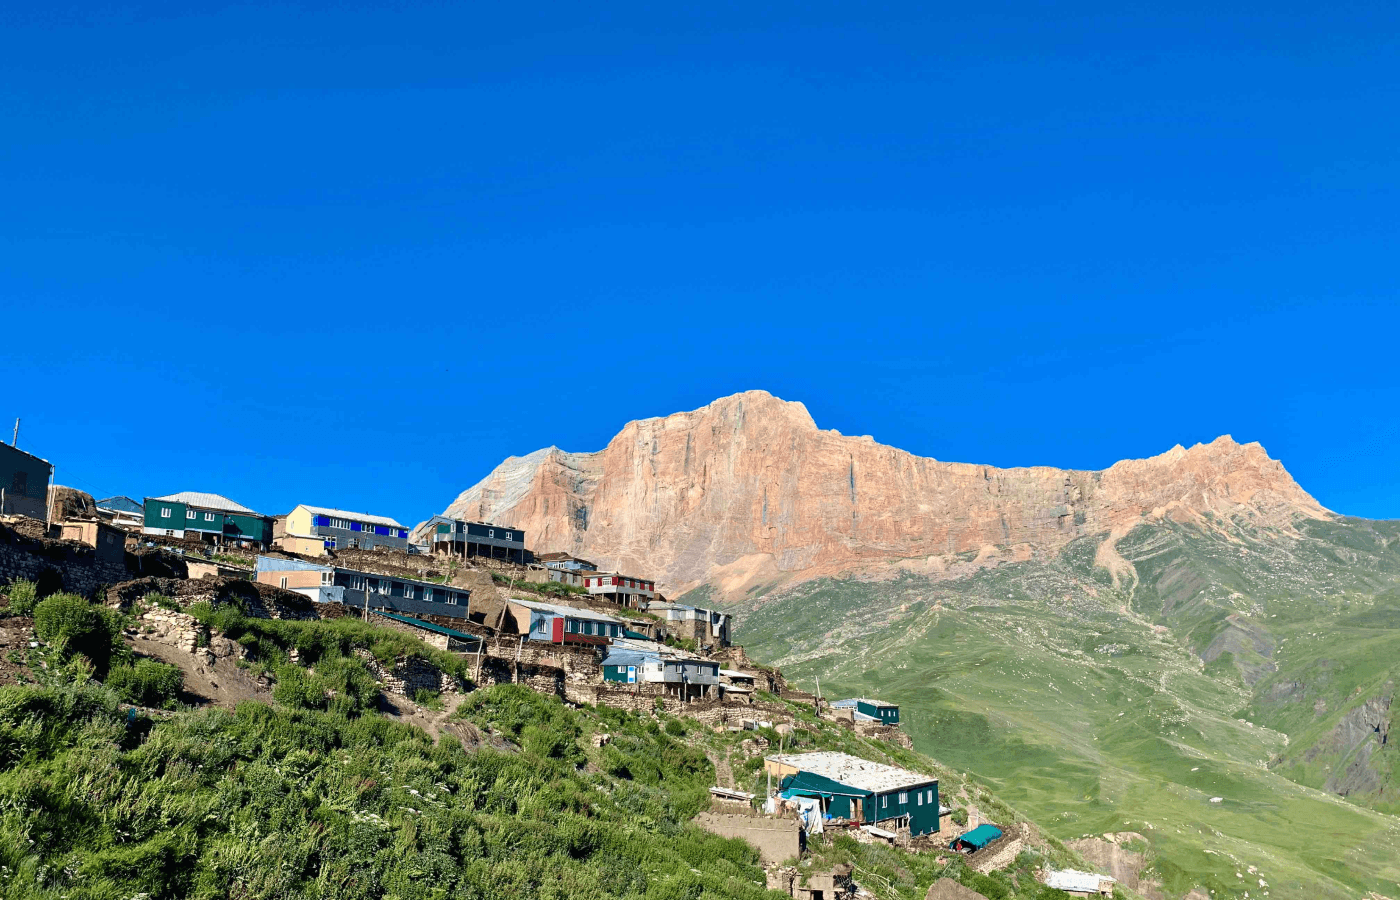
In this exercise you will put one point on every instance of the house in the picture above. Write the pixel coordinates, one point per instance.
(707, 626)
(24, 483)
(875, 712)
(326, 583)
(123, 512)
(559, 624)
(315, 529)
(859, 790)
(1080, 884)
(207, 517)
(461, 538)
(567, 562)
(623, 590)
(739, 684)
(108, 540)
(685, 676)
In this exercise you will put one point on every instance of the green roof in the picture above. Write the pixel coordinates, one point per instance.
(429, 626)
(980, 836)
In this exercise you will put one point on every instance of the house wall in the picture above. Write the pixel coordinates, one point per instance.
(76, 565)
(109, 542)
(776, 839)
(25, 480)
(299, 521)
(306, 546)
(295, 578)
(923, 817)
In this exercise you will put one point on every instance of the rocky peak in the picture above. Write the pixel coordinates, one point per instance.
(748, 489)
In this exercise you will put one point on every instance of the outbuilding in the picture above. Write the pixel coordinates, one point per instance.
(871, 711)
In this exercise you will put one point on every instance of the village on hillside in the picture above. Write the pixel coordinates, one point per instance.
(561, 625)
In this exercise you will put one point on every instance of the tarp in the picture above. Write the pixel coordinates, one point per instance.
(810, 812)
(979, 837)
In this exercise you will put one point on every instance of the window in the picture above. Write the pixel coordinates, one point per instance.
(208, 517)
(921, 798)
(169, 533)
(190, 514)
(408, 591)
(508, 537)
(884, 801)
(283, 581)
(339, 523)
(573, 626)
(165, 512)
(903, 797)
(930, 795)
(490, 532)
(328, 578)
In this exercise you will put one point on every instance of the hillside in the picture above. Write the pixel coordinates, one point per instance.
(311, 790)
(1256, 667)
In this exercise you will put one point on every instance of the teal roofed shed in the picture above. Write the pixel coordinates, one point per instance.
(977, 838)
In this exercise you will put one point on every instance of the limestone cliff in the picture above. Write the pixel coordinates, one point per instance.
(748, 489)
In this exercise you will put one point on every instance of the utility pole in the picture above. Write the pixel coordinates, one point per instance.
(14, 441)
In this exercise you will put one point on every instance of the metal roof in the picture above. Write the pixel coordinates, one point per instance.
(1074, 880)
(980, 836)
(854, 771)
(849, 704)
(574, 611)
(427, 626)
(734, 673)
(346, 514)
(630, 658)
(206, 501)
(122, 504)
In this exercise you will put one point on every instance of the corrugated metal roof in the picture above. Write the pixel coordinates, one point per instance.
(346, 514)
(206, 501)
(427, 626)
(854, 771)
(574, 611)
(980, 836)
(849, 704)
(630, 658)
(1074, 880)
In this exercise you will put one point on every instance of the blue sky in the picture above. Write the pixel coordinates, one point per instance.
(355, 255)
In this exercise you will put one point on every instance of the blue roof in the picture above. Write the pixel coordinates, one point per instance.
(123, 504)
(428, 626)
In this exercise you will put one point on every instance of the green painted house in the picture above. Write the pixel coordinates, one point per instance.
(208, 517)
(860, 790)
(867, 710)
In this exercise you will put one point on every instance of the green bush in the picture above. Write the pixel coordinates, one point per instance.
(146, 683)
(23, 595)
(675, 728)
(76, 627)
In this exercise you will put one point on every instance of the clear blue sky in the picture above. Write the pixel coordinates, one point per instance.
(356, 254)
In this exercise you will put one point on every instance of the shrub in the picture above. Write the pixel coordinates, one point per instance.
(23, 596)
(146, 683)
(675, 729)
(74, 626)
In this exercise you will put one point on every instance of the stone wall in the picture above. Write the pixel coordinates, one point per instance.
(409, 675)
(26, 555)
(261, 601)
(776, 839)
(999, 854)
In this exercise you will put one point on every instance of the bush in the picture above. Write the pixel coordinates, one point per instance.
(675, 729)
(146, 683)
(23, 596)
(74, 626)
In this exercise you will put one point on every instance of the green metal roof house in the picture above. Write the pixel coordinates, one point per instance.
(866, 710)
(209, 517)
(860, 790)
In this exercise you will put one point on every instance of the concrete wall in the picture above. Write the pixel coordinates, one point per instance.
(306, 546)
(776, 839)
(25, 480)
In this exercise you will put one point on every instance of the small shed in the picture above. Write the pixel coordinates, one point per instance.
(1080, 884)
(976, 839)
(867, 710)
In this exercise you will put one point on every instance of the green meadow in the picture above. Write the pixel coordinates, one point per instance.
(1090, 707)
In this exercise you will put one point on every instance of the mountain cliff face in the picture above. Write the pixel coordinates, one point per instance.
(748, 490)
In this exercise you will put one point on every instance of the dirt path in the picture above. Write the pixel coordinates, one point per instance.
(724, 776)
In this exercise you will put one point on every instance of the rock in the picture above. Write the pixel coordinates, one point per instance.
(749, 489)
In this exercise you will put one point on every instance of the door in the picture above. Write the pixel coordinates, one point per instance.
(631, 674)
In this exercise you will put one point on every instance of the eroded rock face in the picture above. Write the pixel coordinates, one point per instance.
(749, 489)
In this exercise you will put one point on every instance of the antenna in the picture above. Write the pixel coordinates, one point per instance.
(14, 441)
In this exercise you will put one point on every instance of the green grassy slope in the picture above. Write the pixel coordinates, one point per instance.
(1090, 706)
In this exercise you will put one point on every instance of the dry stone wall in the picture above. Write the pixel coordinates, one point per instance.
(26, 555)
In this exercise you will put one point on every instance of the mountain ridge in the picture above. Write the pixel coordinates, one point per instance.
(748, 490)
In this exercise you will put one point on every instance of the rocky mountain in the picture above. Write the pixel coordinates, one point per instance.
(749, 491)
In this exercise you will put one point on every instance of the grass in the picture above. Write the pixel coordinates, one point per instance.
(1033, 679)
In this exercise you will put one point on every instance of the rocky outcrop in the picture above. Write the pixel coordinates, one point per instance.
(748, 490)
